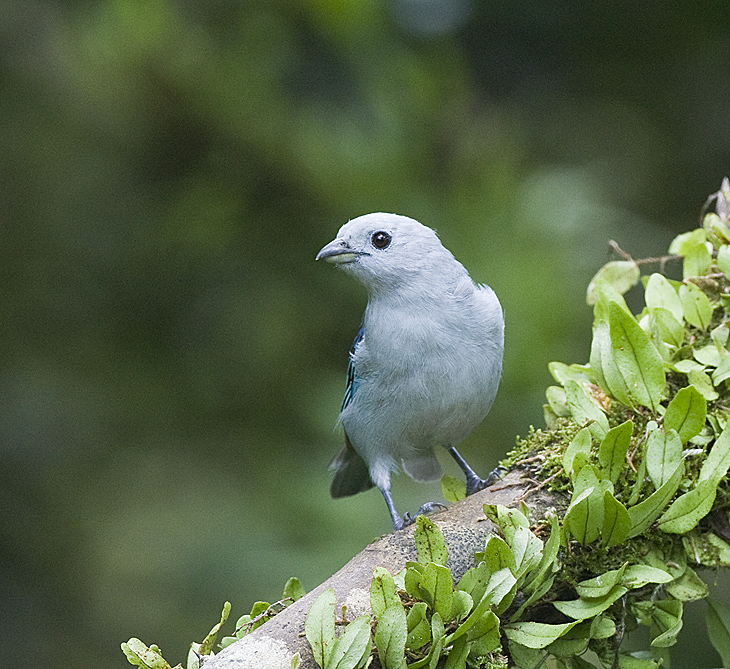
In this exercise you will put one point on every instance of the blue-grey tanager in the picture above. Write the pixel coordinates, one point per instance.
(425, 366)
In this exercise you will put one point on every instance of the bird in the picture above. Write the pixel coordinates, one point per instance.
(425, 366)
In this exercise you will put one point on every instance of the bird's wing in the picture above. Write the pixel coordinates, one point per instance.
(351, 473)
(351, 381)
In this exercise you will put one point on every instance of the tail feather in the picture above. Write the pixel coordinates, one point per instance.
(351, 473)
(422, 467)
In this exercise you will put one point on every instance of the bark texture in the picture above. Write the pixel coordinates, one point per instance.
(465, 529)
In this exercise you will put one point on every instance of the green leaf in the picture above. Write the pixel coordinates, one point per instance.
(412, 579)
(631, 662)
(671, 560)
(139, 655)
(555, 396)
(548, 559)
(353, 646)
(601, 585)
(620, 274)
(581, 443)
(452, 489)
(639, 484)
(582, 609)
(572, 643)
(438, 635)
(527, 551)
(638, 575)
(419, 630)
(390, 637)
(722, 373)
(638, 360)
(522, 656)
(383, 593)
(562, 372)
(501, 588)
(430, 544)
(585, 516)
(697, 260)
(721, 335)
(612, 451)
(667, 328)
(682, 243)
(686, 413)
(536, 595)
(703, 383)
(708, 549)
(497, 554)
(717, 619)
(660, 294)
(647, 511)
(688, 509)
(508, 520)
(437, 583)
(607, 295)
(480, 610)
(457, 655)
(603, 363)
(474, 581)
(536, 635)
(696, 305)
(577, 518)
(717, 462)
(667, 620)
(462, 604)
(587, 478)
(602, 628)
(688, 241)
(663, 455)
(483, 636)
(206, 646)
(616, 521)
(294, 589)
(319, 627)
(723, 259)
(258, 608)
(688, 587)
(686, 366)
(708, 356)
(585, 409)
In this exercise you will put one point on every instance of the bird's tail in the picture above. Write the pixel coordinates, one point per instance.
(351, 473)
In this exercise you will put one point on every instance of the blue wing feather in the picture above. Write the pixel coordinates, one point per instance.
(351, 380)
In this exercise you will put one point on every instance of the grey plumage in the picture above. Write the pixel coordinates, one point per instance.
(425, 367)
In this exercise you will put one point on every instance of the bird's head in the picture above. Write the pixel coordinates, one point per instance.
(388, 250)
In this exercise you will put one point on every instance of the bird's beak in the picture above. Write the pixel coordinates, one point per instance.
(338, 252)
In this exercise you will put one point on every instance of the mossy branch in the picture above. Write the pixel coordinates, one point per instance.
(465, 529)
(614, 506)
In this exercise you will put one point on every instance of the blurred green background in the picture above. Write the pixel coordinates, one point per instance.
(172, 359)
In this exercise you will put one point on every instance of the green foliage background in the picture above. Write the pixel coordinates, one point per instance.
(172, 359)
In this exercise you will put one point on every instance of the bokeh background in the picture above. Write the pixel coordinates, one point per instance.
(172, 360)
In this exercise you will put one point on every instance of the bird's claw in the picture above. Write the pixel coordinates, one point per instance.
(475, 484)
(424, 509)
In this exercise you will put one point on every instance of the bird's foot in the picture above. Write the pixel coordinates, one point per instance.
(475, 484)
(426, 508)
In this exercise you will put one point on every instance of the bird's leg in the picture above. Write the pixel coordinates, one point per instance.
(473, 482)
(400, 522)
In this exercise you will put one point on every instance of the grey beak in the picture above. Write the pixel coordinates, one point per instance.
(334, 248)
(339, 252)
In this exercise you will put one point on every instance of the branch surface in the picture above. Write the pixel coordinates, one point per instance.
(465, 529)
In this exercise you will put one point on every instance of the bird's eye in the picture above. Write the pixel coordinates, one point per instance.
(381, 239)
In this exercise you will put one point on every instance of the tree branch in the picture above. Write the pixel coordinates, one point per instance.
(465, 529)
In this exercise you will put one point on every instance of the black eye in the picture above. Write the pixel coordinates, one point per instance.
(381, 239)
